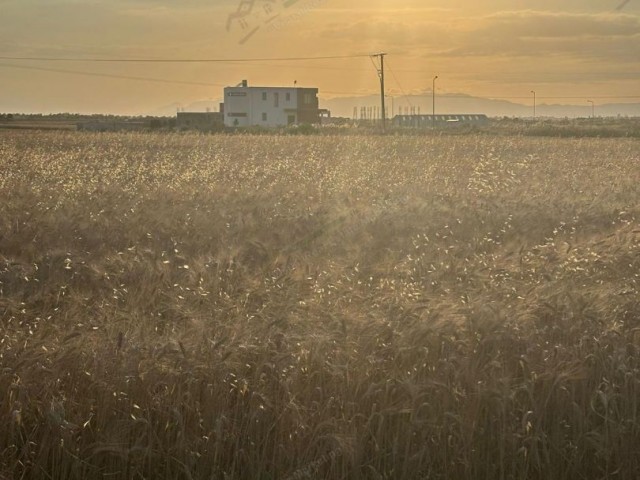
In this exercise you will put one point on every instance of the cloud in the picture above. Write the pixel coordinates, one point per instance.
(605, 35)
(530, 33)
(530, 23)
(398, 34)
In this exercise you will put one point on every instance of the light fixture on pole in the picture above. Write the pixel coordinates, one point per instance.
(433, 99)
(534, 104)
(593, 108)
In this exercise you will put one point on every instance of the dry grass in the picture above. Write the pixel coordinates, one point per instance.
(182, 306)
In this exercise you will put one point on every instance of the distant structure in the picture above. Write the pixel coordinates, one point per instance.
(246, 106)
(113, 125)
(202, 121)
(425, 121)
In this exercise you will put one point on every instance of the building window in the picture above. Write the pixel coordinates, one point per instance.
(307, 99)
(276, 99)
(264, 117)
(288, 97)
(264, 96)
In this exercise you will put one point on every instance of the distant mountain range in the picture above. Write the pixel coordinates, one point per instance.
(451, 103)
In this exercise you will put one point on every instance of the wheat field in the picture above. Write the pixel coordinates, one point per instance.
(180, 306)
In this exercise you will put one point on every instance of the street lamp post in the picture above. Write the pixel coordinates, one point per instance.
(534, 104)
(433, 100)
(593, 108)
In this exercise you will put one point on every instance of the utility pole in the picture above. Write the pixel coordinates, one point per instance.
(433, 100)
(534, 103)
(381, 75)
(593, 109)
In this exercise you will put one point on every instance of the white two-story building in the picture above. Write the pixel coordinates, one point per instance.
(246, 106)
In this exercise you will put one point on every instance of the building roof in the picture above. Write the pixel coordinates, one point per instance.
(240, 87)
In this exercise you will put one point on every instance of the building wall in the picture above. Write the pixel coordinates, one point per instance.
(308, 108)
(268, 106)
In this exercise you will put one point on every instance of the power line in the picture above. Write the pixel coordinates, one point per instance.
(207, 84)
(110, 75)
(144, 79)
(231, 60)
(400, 87)
(178, 60)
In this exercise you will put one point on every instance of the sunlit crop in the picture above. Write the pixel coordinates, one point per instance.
(277, 307)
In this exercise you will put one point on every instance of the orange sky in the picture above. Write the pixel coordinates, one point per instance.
(506, 48)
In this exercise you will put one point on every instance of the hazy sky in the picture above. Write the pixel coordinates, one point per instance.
(495, 48)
